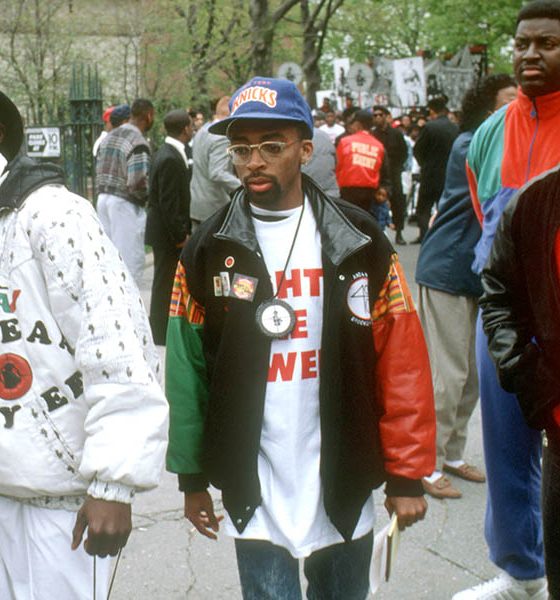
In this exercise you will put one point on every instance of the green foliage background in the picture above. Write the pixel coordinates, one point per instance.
(401, 28)
(187, 52)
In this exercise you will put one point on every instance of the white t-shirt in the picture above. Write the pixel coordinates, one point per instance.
(292, 513)
(180, 147)
(333, 132)
(97, 142)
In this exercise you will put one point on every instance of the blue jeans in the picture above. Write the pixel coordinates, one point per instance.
(512, 453)
(551, 502)
(339, 572)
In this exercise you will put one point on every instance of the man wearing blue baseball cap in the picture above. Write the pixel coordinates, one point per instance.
(297, 373)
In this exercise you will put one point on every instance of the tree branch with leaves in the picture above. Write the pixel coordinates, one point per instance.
(36, 54)
(315, 24)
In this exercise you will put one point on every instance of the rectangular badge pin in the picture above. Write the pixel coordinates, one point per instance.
(218, 291)
(225, 283)
(243, 287)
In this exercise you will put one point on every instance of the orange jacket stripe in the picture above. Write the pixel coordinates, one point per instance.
(182, 303)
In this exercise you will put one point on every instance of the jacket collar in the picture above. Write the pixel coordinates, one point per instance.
(179, 147)
(360, 134)
(546, 106)
(24, 177)
(339, 237)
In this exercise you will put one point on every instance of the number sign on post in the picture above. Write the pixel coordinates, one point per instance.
(43, 141)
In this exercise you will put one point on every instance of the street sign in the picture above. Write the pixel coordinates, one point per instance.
(291, 71)
(43, 141)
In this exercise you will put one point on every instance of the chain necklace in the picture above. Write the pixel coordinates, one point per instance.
(274, 317)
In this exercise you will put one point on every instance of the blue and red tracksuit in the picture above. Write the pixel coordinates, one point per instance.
(514, 145)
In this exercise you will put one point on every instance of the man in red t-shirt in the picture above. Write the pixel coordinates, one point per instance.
(361, 169)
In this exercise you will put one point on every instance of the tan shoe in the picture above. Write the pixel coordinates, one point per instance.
(466, 471)
(441, 488)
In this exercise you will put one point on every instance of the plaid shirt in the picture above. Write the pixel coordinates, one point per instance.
(123, 162)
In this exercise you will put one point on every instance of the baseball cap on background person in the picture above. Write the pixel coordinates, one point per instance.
(107, 114)
(119, 115)
(364, 117)
(12, 122)
(268, 99)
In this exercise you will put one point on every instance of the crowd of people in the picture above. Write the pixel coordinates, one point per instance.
(299, 376)
(408, 176)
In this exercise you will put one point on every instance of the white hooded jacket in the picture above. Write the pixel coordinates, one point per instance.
(81, 409)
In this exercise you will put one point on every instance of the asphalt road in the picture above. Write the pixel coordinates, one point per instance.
(166, 560)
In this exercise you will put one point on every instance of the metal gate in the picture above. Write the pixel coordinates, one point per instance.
(69, 137)
(79, 135)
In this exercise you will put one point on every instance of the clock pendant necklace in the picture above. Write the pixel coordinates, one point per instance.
(276, 318)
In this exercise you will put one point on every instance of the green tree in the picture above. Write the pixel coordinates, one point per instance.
(404, 27)
(215, 45)
(361, 30)
(453, 24)
(35, 55)
(265, 20)
(315, 19)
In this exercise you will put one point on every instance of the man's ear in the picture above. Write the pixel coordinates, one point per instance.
(306, 151)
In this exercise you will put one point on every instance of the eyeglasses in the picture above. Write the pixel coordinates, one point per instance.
(240, 154)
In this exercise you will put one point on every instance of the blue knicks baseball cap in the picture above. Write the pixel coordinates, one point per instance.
(267, 98)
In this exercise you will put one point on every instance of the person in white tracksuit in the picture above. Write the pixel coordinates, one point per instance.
(83, 420)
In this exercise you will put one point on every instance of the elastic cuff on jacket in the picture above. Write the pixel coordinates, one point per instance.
(401, 486)
(193, 482)
(111, 491)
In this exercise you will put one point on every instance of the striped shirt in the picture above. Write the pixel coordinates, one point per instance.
(123, 163)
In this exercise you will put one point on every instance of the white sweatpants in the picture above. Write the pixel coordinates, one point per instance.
(36, 562)
(125, 225)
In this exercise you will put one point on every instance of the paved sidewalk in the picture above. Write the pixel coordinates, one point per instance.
(166, 560)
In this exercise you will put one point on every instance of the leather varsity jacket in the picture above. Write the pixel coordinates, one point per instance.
(376, 401)
(521, 300)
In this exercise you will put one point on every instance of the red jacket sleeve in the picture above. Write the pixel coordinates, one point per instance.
(404, 381)
(473, 188)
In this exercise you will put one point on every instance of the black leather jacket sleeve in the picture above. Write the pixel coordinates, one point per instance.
(506, 316)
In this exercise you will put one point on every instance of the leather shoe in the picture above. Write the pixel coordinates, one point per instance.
(441, 488)
(467, 472)
(399, 239)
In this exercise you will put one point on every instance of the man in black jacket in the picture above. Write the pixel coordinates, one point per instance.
(290, 390)
(168, 222)
(396, 152)
(520, 308)
(432, 151)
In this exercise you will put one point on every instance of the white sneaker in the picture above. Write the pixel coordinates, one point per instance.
(506, 587)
